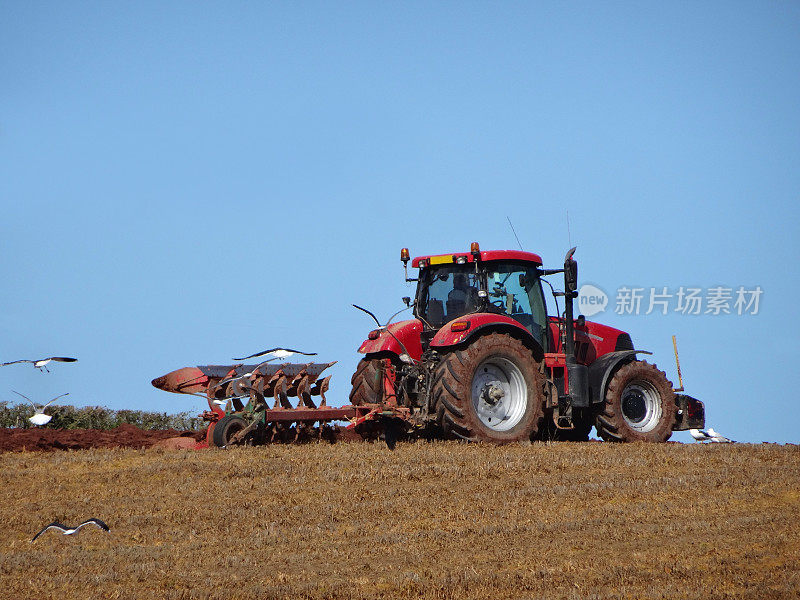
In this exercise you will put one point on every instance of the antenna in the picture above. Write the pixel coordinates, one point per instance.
(569, 235)
(514, 231)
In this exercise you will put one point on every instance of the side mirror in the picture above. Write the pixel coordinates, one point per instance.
(571, 276)
(570, 272)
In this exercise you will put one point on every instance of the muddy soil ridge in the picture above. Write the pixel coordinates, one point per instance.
(124, 436)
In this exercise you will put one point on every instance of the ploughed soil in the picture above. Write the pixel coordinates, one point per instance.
(124, 436)
(429, 521)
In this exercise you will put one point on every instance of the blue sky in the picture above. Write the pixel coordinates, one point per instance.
(186, 182)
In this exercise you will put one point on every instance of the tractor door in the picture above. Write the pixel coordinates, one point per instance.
(516, 291)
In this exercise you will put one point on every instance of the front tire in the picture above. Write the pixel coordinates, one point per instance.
(639, 405)
(490, 391)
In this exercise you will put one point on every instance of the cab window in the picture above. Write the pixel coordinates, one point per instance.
(515, 290)
(450, 292)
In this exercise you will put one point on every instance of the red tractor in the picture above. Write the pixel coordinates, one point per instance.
(482, 360)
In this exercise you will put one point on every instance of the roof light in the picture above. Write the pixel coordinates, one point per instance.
(459, 326)
(423, 262)
(475, 248)
(404, 255)
(461, 260)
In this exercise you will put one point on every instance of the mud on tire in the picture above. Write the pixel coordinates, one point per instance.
(367, 382)
(639, 405)
(491, 391)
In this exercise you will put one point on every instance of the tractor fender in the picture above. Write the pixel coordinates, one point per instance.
(398, 338)
(601, 371)
(480, 323)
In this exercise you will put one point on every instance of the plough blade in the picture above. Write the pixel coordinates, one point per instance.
(258, 382)
(279, 382)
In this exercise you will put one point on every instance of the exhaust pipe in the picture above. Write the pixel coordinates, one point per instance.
(577, 395)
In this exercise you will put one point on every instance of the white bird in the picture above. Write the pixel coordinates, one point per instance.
(41, 363)
(715, 437)
(70, 530)
(700, 435)
(277, 353)
(39, 418)
(709, 435)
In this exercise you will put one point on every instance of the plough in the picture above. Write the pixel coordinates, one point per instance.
(239, 399)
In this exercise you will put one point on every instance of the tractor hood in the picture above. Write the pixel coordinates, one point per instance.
(592, 340)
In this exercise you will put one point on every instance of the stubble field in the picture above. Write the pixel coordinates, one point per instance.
(429, 520)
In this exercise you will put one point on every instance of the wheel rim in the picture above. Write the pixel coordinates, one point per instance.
(641, 406)
(499, 394)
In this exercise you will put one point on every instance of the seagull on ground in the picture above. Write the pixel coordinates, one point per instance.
(41, 363)
(70, 530)
(39, 418)
(700, 435)
(277, 353)
(715, 437)
(709, 435)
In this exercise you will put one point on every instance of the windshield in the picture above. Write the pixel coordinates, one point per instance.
(449, 292)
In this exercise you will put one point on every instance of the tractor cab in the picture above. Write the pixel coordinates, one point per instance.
(453, 286)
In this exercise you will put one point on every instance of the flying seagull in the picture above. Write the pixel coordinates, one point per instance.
(39, 418)
(41, 363)
(69, 530)
(277, 353)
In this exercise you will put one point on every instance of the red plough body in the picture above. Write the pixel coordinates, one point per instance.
(244, 393)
